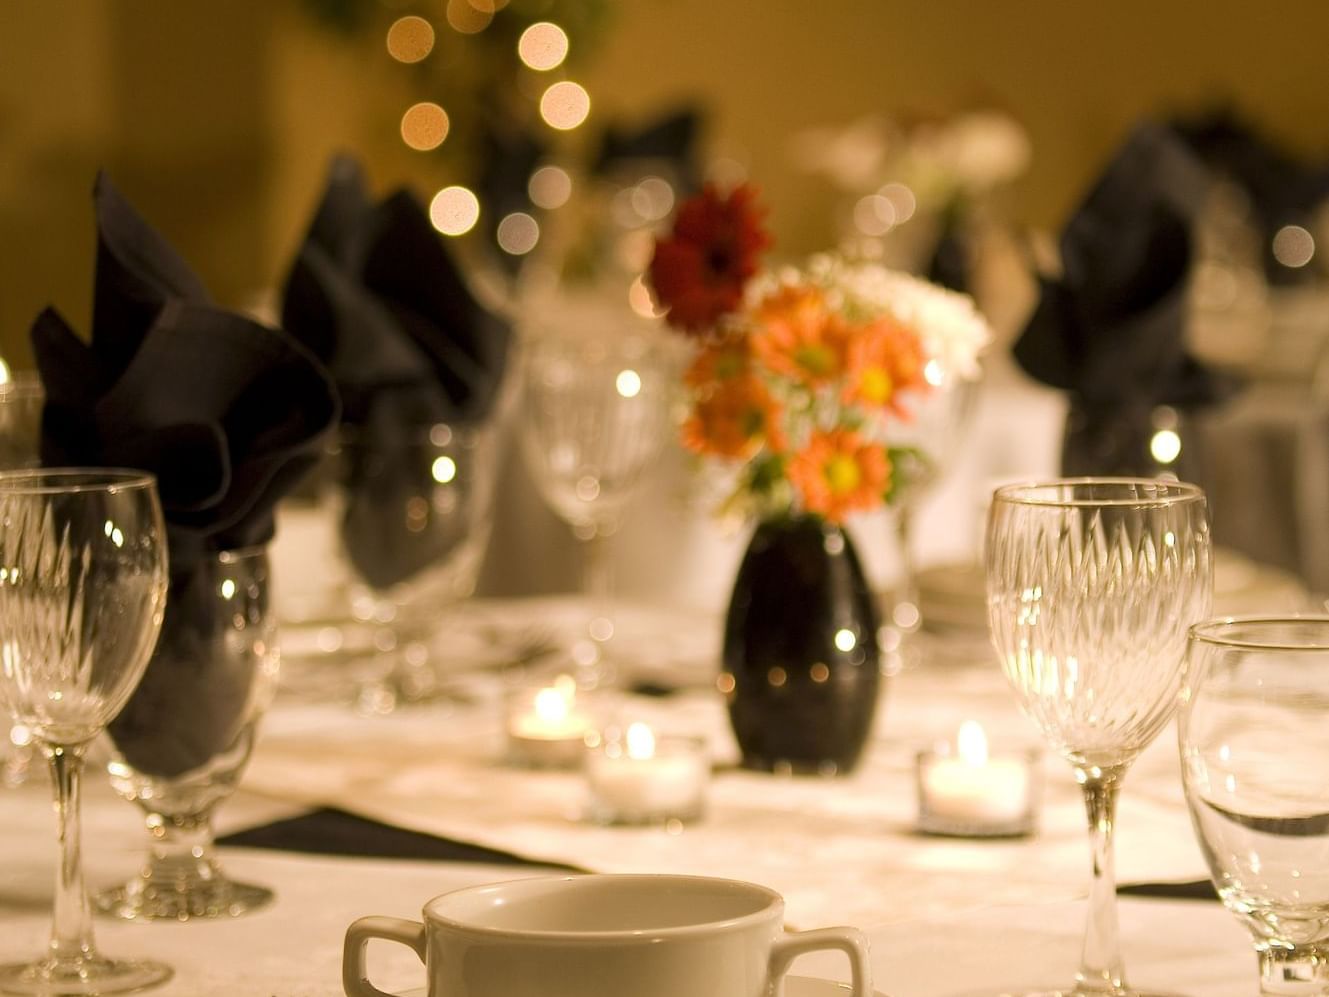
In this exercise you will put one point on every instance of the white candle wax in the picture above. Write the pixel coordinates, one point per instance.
(645, 779)
(546, 728)
(971, 793)
(996, 791)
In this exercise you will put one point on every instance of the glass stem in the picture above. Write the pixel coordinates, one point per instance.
(71, 931)
(598, 573)
(905, 614)
(1101, 968)
(1296, 971)
(598, 584)
(182, 854)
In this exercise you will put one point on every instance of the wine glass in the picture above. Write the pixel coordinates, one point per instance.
(595, 415)
(1255, 766)
(1092, 583)
(938, 419)
(22, 399)
(82, 589)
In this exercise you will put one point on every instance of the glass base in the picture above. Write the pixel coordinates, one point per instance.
(82, 977)
(144, 899)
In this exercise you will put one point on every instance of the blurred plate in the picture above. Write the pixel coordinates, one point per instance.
(952, 597)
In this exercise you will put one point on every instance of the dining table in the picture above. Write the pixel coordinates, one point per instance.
(345, 813)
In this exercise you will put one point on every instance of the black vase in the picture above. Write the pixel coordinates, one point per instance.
(800, 650)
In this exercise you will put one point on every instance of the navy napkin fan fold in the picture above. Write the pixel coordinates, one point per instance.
(375, 295)
(226, 412)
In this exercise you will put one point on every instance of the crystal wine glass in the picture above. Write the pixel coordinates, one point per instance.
(82, 589)
(1255, 765)
(595, 415)
(1092, 584)
(22, 399)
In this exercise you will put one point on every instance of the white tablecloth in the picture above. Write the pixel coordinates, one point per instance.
(947, 917)
(839, 849)
(293, 947)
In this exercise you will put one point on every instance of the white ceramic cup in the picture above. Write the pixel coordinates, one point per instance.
(603, 936)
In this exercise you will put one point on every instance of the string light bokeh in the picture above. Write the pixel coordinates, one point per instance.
(430, 35)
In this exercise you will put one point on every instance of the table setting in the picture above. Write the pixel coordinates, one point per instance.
(242, 625)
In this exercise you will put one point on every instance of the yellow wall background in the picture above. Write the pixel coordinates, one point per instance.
(218, 119)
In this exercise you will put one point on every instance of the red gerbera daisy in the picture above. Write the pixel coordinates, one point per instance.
(699, 271)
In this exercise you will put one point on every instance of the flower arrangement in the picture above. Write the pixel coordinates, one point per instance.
(803, 375)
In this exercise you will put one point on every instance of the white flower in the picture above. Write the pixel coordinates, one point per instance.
(952, 329)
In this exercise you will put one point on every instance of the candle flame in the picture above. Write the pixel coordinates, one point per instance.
(641, 741)
(973, 743)
(552, 704)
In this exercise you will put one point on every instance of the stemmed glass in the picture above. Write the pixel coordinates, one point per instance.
(184, 738)
(937, 421)
(414, 510)
(21, 403)
(1254, 742)
(595, 415)
(82, 589)
(22, 399)
(400, 524)
(1092, 583)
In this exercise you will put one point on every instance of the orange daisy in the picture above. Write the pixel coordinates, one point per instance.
(720, 359)
(734, 418)
(884, 358)
(839, 472)
(796, 334)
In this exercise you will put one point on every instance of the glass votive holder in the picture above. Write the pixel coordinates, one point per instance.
(547, 724)
(638, 777)
(963, 791)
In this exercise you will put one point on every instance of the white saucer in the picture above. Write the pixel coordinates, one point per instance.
(794, 986)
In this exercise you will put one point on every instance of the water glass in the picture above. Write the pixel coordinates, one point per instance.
(1253, 730)
(183, 740)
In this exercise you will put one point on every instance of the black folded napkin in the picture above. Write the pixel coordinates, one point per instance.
(670, 139)
(227, 413)
(328, 831)
(510, 152)
(1110, 328)
(376, 294)
(197, 696)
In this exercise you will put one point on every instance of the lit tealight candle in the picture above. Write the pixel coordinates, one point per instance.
(968, 793)
(638, 778)
(546, 727)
